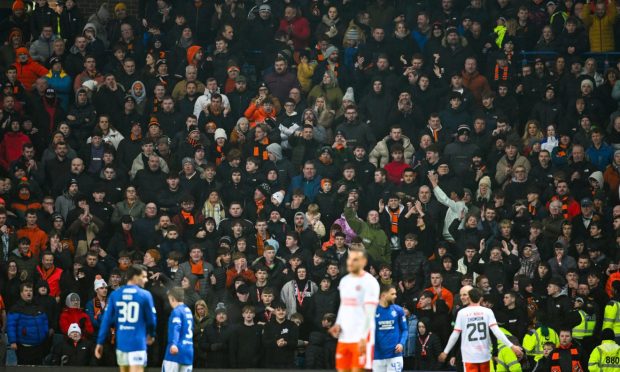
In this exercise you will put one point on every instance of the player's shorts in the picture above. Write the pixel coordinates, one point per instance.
(131, 358)
(477, 367)
(169, 366)
(388, 365)
(349, 357)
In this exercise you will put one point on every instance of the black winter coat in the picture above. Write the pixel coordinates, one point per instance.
(325, 302)
(321, 350)
(217, 339)
(70, 353)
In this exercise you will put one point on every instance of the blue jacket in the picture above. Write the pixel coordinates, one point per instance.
(600, 157)
(27, 324)
(310, 188)
(62, 84)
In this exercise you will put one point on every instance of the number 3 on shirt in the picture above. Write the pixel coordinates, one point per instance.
(480, 328)
(190, 334)
(129, 312)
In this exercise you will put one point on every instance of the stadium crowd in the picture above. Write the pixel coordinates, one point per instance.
(237, 148)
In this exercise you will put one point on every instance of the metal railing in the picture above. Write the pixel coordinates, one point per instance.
(604, 60)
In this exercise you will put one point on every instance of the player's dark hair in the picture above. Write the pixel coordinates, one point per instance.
(177, 293)
(385, 288)
(134, 270)
(427, 294)
(475, 295)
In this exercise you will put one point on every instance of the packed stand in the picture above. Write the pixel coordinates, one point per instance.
(236, 148)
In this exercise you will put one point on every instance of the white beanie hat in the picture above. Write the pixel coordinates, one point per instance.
(220, 133)
(278, 196)
(90, 84)
(348, 95)
(99, 282)
(74, 327)
(486, 180)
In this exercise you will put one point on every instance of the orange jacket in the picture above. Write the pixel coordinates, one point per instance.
(612, 278)
(247, 274)
(446, 295)
(38, 238)
(29, 72)
(256, 114)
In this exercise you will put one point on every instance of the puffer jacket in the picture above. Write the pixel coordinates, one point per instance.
(459, 155)
(501, 173)
(30, 71)
(27, 324)
(71, 315)
(42, 49)
(380, 155)
(601, 30)
(62, 84)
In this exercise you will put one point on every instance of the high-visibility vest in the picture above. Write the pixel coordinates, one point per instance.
(533, 342)
(586, 327)
(506, 361)
(611, 317)
(605, 357)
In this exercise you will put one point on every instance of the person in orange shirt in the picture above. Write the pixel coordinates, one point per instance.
(260, 110)
(28, 70)
(439, 291)
(38, 237)
(240, 269)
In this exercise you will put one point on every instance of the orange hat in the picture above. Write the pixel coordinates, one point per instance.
(18, 5)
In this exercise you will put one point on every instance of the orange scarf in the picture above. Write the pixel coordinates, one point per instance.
(260, 244)
(220, 154)
(265, 154)
(187, 216)
(260, 204)
(197, 269)
(46, 273)
(393, 220)
(504, 76)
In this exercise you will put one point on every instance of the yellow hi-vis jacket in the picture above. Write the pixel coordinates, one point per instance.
(605, 357)
(611, 317)
(534, 340)
(586, 327)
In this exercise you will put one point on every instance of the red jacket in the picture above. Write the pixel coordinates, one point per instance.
(52, 279)
(79, 316)
(29, 72)
(299, 31)
(395, 171)
(11, 147)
